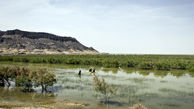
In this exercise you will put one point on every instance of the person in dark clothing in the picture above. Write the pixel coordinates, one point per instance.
(90, 70)
(80, 72)
(93, 70)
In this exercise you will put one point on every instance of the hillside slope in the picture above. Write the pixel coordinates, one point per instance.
(23, 42)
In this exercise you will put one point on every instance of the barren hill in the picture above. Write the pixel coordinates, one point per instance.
(23, 42)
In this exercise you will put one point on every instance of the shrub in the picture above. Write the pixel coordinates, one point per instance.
(3, 58)
(103, 89)
(36, 60)
(17, 59)
(145, 65)
(111, 63)
(86, 62)
(132, 64)
(191, 69)
(2, 81)
(26, 78)
(179, 65)
(43, 78)
(25, 83)
(7, 74)
(25, 60)
(162, 66)
(141, 61)
(73, 61)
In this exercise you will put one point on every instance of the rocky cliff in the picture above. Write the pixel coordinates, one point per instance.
(23, 42)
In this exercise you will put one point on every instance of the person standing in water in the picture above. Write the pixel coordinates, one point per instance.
(90, 70)
(93, 71)
(80, 72)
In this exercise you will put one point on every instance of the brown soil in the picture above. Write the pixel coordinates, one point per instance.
(138, 106)
(49, 105)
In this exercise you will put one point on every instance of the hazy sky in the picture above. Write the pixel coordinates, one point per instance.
(113, 26)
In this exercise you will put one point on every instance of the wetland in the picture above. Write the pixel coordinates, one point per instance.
(155, 89)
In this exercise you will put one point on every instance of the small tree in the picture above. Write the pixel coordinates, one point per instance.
(23, 79)
(44, 79)
(26, 78)
(103, 89)
(7, 74)
(25, 83)
(2, 81)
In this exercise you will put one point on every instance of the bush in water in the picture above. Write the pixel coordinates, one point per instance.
(25, 83)
(7, 74)
(44, 79)
(103, 89)
(26, 78)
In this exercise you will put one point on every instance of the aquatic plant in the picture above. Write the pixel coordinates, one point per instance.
(103, 89)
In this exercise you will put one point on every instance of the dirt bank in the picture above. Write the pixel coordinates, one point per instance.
(47, 105)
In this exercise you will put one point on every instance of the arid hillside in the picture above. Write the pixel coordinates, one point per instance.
(23, 42)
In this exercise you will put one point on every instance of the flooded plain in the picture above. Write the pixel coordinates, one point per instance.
(154, 89)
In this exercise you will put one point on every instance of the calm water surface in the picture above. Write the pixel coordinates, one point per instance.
(155, 90)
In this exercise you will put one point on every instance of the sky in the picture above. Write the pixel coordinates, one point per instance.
(110, 26)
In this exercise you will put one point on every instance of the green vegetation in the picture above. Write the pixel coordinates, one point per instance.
(158, 62)
(43, 79)
(6, 75)
(146, 65)
(192, 69)
(103, 89)
(26, 78)
(164, 66)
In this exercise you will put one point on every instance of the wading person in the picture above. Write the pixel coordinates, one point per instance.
(93, 70)
(80, 72)
(90, 70)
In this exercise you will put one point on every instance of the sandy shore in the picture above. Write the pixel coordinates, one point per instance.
(47, 105)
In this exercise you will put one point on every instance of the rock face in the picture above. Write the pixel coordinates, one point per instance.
(23, 42)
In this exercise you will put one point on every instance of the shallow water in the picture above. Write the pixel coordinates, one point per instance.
(154, 89)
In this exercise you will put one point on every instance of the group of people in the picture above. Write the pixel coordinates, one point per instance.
(91, 71)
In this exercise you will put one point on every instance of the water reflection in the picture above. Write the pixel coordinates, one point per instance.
(135, 86)
(155, 89)
(16, 95)
(159, 73)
